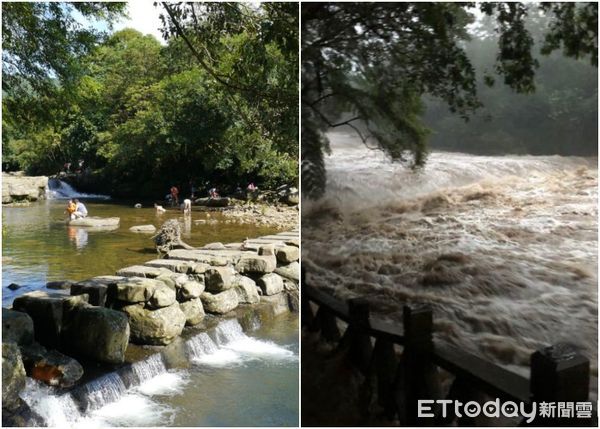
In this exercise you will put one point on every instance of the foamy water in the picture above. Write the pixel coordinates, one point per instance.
(504, 248)
(160, 396)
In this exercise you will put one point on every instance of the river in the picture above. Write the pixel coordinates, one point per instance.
(233, 379)
(39, 247)
(503, 247)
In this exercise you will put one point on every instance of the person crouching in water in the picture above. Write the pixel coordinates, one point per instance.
(71, 208)
(80, 210)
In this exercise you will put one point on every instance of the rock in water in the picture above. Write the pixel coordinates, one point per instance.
(50, 366)
(98, 333)
(47, 311)
(220, 303)
(270, 284)
(63, 284)
(190, 290)
(13, 376)
(193, 310)
(143, 228)
(291, 271)
(256, 264)
(162, 297)
(17, 327)
(218, 279)
(156, 327)
(288, 254)
(246, 289)
(14, 286)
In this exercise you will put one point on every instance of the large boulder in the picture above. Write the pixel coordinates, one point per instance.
(50, 366)
(156, 327)
(287, 254)
(23, 188)
(193, 310)
(190, 290)
(220, 303)
(256, 264)
(13, 376)
(246, 290)
(48, 312)
(162, 296)
(218, 279)
(17, 327)
(291, 271)
(98, 333)
(270, 284)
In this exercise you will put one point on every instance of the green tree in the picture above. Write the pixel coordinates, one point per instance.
(376, 61)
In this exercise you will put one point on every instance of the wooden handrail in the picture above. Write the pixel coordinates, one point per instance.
(551, 365)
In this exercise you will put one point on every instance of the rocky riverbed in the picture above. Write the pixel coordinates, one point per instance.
(279, 216)
(96, 325)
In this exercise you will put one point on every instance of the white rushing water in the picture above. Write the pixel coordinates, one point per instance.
(60, 190)
(503, 247)
(107, 401)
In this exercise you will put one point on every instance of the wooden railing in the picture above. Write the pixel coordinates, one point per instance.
(558, 373)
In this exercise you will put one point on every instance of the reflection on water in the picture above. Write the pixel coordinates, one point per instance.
(78, 236)
(39, 247)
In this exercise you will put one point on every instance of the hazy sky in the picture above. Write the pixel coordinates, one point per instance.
(143, 16)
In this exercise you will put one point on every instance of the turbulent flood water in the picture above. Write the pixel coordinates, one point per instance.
(503, 247)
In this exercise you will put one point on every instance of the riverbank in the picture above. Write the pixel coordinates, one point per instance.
(253, 280)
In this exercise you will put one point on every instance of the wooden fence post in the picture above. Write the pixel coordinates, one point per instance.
(328, 324)
(418, 376)
(357, 337)
(384, 365)
(559, 373)
(306, 312)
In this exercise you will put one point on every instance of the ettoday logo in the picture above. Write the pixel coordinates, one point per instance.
(507, 409)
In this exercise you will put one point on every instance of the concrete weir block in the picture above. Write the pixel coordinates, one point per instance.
(96, 288)
(174, 265)
(47, 310)
(256, 264)
(140, 271)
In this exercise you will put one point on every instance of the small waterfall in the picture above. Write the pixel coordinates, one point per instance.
(101, 391)
(149, 368)
(200, 345)
(56, 410)
(228, 331)
(60, 190)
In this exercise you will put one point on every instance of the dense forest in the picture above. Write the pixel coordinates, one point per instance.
(560, 117)
(491, 77)
(216, 104)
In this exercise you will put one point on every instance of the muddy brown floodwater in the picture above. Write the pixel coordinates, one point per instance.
(503, 247)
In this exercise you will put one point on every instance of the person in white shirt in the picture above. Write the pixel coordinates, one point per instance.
(80, 210)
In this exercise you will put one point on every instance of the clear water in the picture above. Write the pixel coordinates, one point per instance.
(39, 247)
(242, 380)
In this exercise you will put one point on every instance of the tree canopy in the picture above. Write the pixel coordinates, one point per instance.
(369, 65)
(213, 105)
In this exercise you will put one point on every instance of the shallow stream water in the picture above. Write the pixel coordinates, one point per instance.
(235, 379)
(39, 247)
(503, 247)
